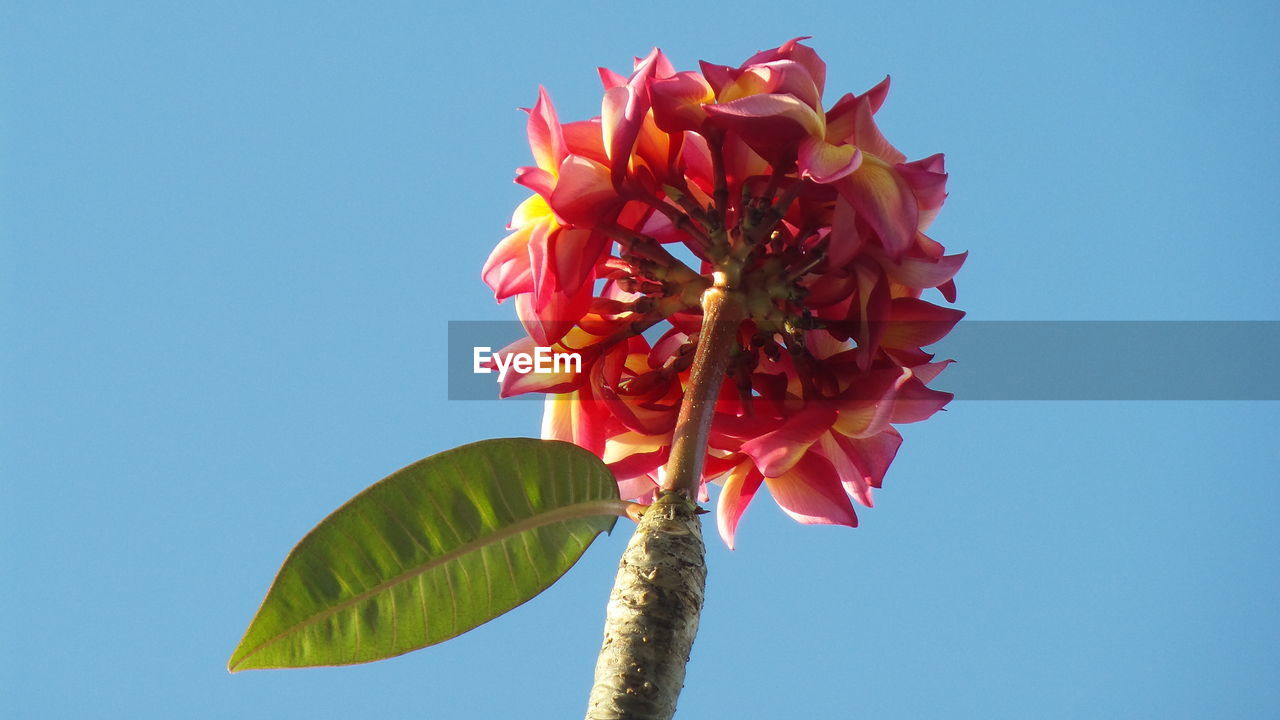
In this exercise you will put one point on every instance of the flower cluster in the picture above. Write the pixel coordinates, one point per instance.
(808, 212)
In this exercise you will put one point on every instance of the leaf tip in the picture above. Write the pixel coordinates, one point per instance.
(240, 660)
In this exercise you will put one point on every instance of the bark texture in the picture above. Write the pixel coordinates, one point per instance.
(652, 616)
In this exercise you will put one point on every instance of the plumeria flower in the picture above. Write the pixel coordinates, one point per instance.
(804, 207)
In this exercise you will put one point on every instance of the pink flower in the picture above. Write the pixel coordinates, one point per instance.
(816, 214)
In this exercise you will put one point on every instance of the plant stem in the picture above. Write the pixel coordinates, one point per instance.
(657, 597)
(722, 314)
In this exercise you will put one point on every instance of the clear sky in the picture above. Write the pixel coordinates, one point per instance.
(231, 239)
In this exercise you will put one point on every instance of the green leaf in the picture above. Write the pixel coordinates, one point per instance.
(432, 551)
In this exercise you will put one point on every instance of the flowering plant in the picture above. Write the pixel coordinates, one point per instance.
(811, 214)
(782, 354)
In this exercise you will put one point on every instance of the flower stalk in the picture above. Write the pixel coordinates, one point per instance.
(723, 310)
(657, 597)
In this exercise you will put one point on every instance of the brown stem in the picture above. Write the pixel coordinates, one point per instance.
(653, 610)
(722, 313)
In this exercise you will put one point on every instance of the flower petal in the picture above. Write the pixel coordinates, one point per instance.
(846, 241)
(740, 486)
(927, 372)
(869, 405)
(611, 79)
(555, 317)
(536, 179)
(802, 54)
(915, 323)
(846, 469)
(872, 455)
(677, 101)
(623, 112)
(811, 494)
(867, 135)
(566, 417)
(877, 94)
(584, 192)
(586, 138)
(637, 488)
(718, 76)
(928, 181)
(545, 138)
(915, 402)
(631, 453)
(923, 273)
(792, 78)
(822, 162)
(507, 271)
(777, 452)
(885, 201)
(771, 124)
(573, 255)
(613, 120)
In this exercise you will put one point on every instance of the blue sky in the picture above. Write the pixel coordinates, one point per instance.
(231, 239)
